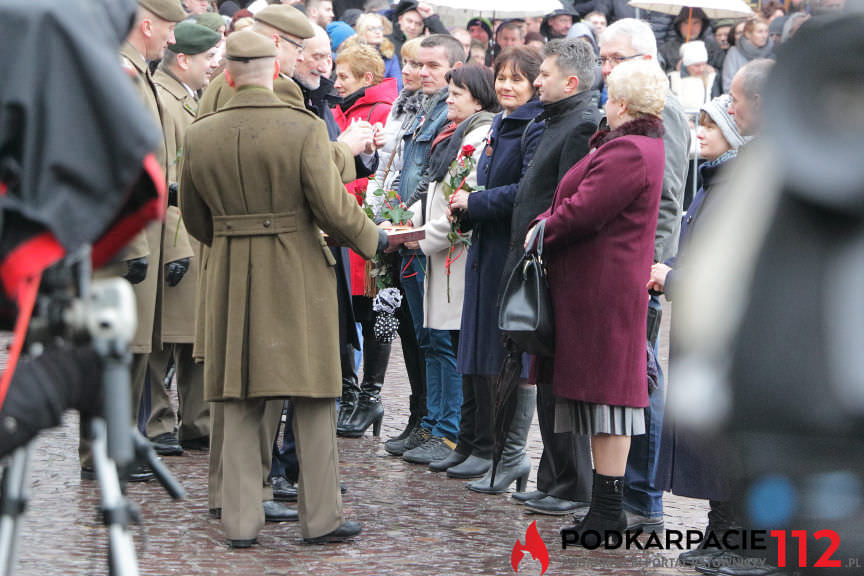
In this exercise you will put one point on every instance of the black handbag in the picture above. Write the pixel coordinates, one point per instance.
(525, 310)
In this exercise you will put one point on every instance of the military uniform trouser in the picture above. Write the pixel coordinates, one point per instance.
(268, 424)
(319, 498)
(137, 376)
(193, 420)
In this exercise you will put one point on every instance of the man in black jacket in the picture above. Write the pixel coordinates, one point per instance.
(570, 111)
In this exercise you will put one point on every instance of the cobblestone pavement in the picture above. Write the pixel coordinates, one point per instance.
(415, 522)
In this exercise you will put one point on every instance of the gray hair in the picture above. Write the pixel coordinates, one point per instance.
(452, 46)
(575, 57)
(753, 76)
(639, 33)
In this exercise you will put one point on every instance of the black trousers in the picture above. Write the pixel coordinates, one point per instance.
(565, 467)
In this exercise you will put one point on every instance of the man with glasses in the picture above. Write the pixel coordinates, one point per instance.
(277, 21)
(628, 39)
(312, 76)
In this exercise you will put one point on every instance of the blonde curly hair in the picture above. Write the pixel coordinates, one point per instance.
(641, 84)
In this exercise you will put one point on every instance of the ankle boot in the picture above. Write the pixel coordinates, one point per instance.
(348, 403)
(515, 464)
(606, 512)
(369, 411)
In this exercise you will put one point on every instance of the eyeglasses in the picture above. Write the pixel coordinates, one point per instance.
(603, 60)
(375, 29)
(290, 41)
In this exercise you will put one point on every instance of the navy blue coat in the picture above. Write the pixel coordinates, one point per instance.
(690, 464)
(490, 211)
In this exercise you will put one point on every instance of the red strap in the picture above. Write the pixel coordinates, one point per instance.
(27, 291)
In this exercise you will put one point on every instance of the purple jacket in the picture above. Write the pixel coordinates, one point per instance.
(599, 247)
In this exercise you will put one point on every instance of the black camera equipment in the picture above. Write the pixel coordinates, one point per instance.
(72, 310)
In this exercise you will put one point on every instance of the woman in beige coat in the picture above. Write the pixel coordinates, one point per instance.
(470, 106)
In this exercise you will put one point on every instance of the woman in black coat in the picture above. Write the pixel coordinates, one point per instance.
(487, 213)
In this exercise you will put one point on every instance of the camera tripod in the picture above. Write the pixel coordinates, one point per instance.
(73, 309)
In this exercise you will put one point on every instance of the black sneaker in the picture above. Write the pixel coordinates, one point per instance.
(398, 447)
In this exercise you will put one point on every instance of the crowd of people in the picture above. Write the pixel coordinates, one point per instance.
(280, 122)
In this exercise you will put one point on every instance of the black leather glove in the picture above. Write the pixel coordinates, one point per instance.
(173, 195)
(136, 270)
(174, 271)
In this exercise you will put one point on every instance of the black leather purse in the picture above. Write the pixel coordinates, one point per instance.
(525, 310)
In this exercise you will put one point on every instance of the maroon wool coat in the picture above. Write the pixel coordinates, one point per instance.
(599, 247)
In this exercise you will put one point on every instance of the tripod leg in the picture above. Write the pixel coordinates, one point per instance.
(115, 507)
(13, 504)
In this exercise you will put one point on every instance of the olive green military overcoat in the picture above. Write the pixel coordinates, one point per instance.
(147, 243)
(217, 94)
(255, 190)
(176, 304)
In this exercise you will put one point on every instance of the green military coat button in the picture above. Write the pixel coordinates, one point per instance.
(266, 223)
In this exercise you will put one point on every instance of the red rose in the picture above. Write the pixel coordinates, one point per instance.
(467, 150)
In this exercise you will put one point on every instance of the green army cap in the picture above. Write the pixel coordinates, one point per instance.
(191, 38)
(247, 45)
(211, 20)
(169, 10)
(286, 19)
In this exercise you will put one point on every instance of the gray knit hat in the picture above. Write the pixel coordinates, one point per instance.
(718, 110)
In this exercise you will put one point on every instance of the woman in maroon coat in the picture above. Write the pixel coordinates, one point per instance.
(599, 246)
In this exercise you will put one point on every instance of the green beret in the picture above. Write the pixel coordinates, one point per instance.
(169, 10)
(191, 38)
(286, 19)
(248, 45)
(211, 20)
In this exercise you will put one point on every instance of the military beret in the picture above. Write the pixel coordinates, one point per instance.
(191, 38)
(169, 10)
(286, 19)
(248, 45)
(211, 20)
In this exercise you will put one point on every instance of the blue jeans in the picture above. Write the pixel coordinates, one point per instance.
(443, 387)
(443, 380)
(640, 495)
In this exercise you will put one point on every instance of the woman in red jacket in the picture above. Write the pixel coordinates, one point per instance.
(599, 247)
(366, 95)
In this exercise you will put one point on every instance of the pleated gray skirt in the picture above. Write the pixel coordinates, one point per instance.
(592, 419)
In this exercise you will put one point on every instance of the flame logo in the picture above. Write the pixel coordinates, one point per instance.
(534, 545)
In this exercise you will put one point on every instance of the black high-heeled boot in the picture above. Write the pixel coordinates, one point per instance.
(347, 404)
(606, 512)
(370, 411)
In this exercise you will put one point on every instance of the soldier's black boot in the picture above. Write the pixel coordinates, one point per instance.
(369, 409)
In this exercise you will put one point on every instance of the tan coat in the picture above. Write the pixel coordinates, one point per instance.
(215, 97)
(438, 312)
(254, 189)
(147, 243)
(218, 94)
(176, 303)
